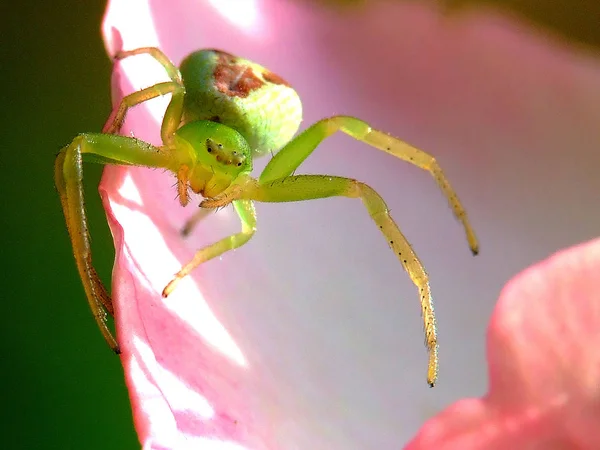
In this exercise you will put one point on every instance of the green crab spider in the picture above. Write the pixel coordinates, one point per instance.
(224, 111)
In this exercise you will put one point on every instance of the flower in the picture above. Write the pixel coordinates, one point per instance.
(544, 364)
(309, 336)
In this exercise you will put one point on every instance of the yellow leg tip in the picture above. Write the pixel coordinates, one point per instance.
(169, 288)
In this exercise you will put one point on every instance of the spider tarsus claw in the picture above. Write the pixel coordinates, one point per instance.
(117, 350)
(169, 288)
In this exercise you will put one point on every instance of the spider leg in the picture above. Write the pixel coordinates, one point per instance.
(247, 214)
(172, 114)
(174, 111)
(158, 55)
(68, 175)
(309, 187)
(276, 184)
(296, 151)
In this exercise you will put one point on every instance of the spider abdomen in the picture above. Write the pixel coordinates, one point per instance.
(243, 95)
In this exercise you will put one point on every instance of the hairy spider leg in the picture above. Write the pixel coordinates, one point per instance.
(309, 187)
(68, 175)
(277, 185)
(175, 87)
(171, 69)
(289, 158)
(247, 214)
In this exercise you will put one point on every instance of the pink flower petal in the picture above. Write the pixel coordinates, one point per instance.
(309, 336)
(544, 364)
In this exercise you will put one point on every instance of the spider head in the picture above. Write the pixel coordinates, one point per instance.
(214, 154)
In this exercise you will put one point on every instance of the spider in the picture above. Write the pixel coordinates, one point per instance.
(225, 110)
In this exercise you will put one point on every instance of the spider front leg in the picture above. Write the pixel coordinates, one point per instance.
(309, 187)
(277, 185)
(68, 175)
(247, 214)
(174, 111)
(295, 152)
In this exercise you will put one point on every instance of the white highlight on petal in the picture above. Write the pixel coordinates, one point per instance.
(157, 384)
(155, 267)
(143, 71)
(182, 398)
(152, 401)
(241, 13)
(130, 191)
(130, 18)
(198, 315)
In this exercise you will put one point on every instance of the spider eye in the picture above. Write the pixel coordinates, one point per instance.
(224, 155)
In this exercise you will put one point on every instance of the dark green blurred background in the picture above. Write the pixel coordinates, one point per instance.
(61, 386)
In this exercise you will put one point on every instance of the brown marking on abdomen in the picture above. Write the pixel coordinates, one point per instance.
(274, 78)
(233, 79)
